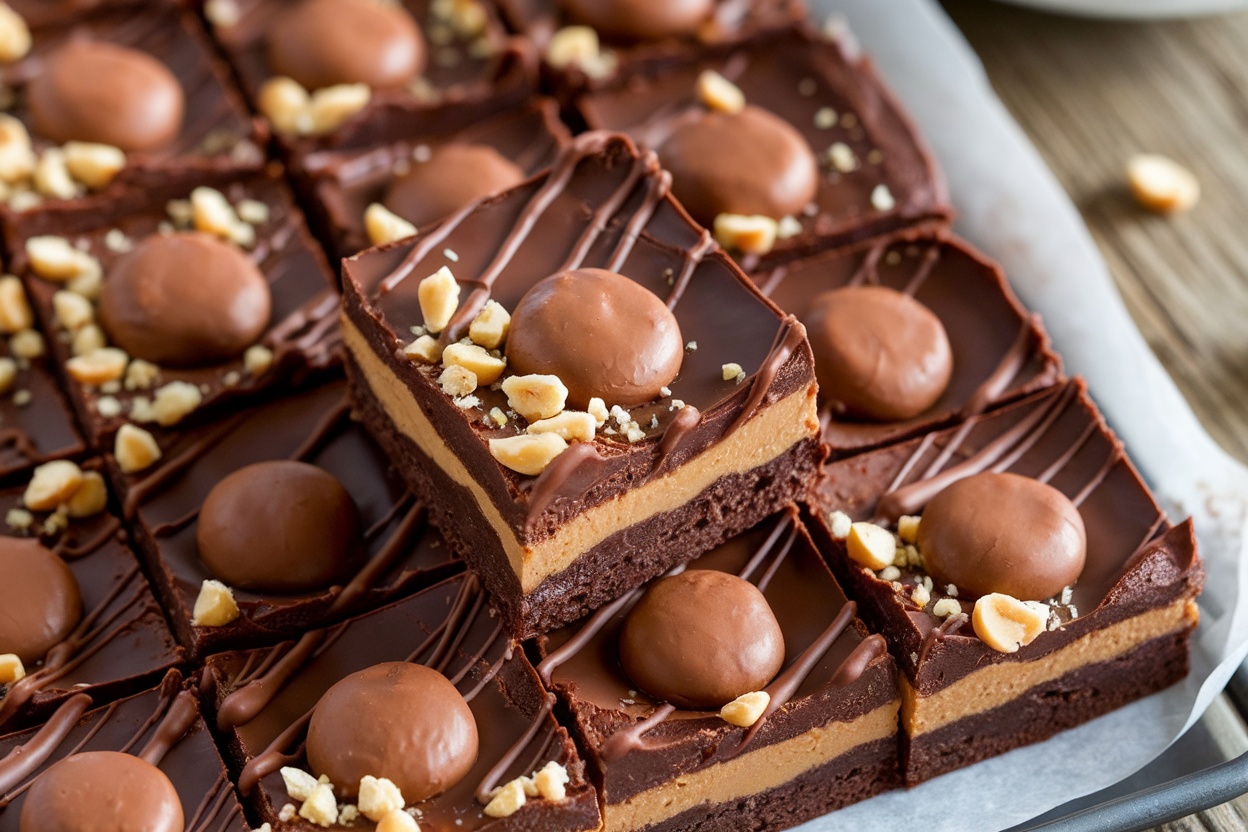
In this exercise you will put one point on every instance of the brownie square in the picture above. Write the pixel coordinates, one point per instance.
(120, 641)
(164, 504)
(874, 172)
(472, 67)
(670, 478)
(998, 350)
(298, 340)
(38, 424)
(162, 726)
(828, 738)
(216, 133)
(342, 183)
(1118, 632)
(447, 628)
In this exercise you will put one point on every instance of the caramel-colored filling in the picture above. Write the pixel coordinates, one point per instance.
(996, 685)
(753, 772)
(767, 435)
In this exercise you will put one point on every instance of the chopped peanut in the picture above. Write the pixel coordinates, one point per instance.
(439, 298)
(15, 312)
(535, 396)
(90, 498)
(51, 484)
(572, 425)
(14, 35)
(489, 328)
(1161, 184)
(486, 367)
(426, 348)
(94, 165)
(1005, 623)
(753, 234)
(135, 449)
(215, 606)
(528, 454)
(385, 226)
(11, 669)
(98, 366)
(379, 797)
(870, 545)
(507, 801)
(718, 93)
(746, 709)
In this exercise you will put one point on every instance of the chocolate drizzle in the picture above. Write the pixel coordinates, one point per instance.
(790, 337)
(22, 761)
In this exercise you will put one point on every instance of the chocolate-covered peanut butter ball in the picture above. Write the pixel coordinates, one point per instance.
(700, 639)
(396, 720)
(104, 790)
(751, 162)
(185, 299)
(1003, 533)
(280, 526)
(94, 91)
(880, 355)
(321, 43)
(42, 604)
(640, 19)
(455, 175)
(602, 334)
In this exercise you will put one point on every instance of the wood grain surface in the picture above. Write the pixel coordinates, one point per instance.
(1092, 93)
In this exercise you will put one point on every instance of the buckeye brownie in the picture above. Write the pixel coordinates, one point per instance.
(322, 83)
(785, 145)
(428, 172)
(741, 691)
(606, 397)
(911, 331)
(79, 616)
(1021, 571)
(291, 509)
(147, 762)
(424, 706)
(177, 301)
(170, 113)
(38, 424)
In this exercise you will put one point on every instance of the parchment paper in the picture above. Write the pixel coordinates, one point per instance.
(1010, 206)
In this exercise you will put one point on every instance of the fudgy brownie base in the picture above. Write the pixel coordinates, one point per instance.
(622, 561)
(1048, 709)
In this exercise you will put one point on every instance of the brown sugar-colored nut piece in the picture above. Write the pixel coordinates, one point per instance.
(90, 498)
(11, 669)
(456, 174)
(1005, 623)
(1161, 184)
(14, 35)
(484, 366)
(52, 484)
(385, 226)
(632, 20)
(135, 449)
(214, 606)
(96, 780)
(535, 396)
(528, 454)
(15, 311)
(439, 298)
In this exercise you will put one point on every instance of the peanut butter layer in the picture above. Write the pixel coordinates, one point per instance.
(769, 434)
(996, 685)
(752, 773)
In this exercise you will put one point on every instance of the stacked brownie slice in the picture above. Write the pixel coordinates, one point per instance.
(664, 464)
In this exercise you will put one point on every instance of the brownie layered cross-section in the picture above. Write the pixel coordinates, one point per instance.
(738, 692)
(604, 397)
(290, 509)
(785, 145)
(79, 616)
(170, 114)
(147, 762)
(1021, 571)
(910, 331)
(177, 301)
(423, 707)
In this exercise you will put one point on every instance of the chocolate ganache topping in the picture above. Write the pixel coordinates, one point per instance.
(93, 91)
(280, 526)
(1003, 533)
(751, 162)
(102, 790)
(700, 639)
(320, 43)
(602, 334)
(641, 19)
(44, 604)
(453, 176)
(185, 299)
(397, 720)
(879, 353)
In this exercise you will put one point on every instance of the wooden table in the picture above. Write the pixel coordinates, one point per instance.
(1092, 93)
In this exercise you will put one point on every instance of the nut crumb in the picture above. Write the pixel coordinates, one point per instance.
(320, 807)
(733, 372)
(746, 709)
(946, 607)
(882, 198)
(908, 528)
(889, 573)
(379, 797)
(507, 800)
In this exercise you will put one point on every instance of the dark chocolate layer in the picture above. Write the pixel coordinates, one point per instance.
(120, 642)
(302, 332)
(808, 81)
(312, 426)
(447, 627)
(999, 351)
(1135, 560)
(36, 423)
(851, 674)
(162, 726)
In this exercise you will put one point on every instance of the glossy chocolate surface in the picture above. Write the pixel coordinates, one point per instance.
(311, 426)
(162, 726)
(121, 638)
(796, 75)
(999, 352)
(447, 627)
(344, 182)
(603, 206)
(851, 678)
(302, 331)
(1135, 559)
(37, 429)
